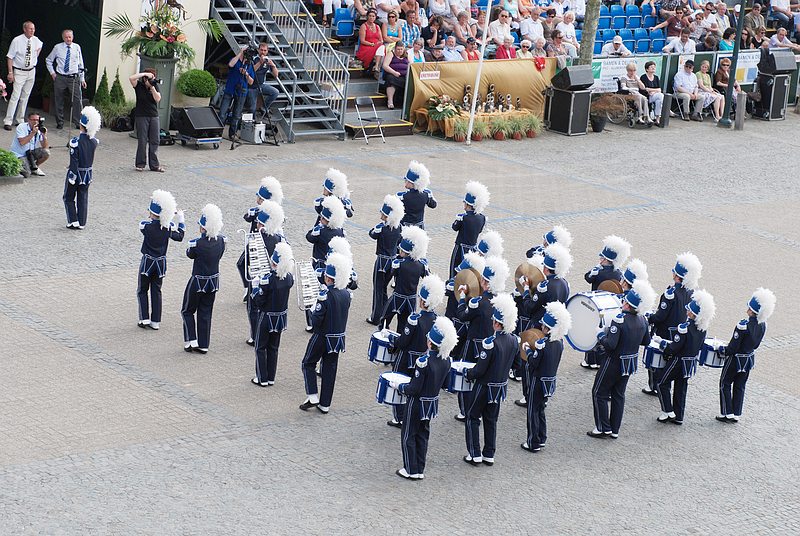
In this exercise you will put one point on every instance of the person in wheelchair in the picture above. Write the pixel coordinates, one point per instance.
(632, 86)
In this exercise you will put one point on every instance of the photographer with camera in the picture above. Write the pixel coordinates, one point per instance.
(30, 145)
(240, 77)
(268, 93)
(148, 129)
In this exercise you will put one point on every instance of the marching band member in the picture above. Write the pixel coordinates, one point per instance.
(469, 223)
(477, 315)
(615, 252)
(339, 244)
(619, 348)
(158, 230)
(271, 299)
(475, 261)
(411, 345)
(555, 267)
(681, 355)
(490, 244)
(387, 236)
(559, 234)
(740, 353)
(329, 323)
(490, 375)
(417, 196)
(636, 269)
(204, 283)
(407, 269)
(672, 306)
(269, 222)
(331, 218)
(269, 190)
(335, 185)
(540, 371)
(422, 405)
(79, 173)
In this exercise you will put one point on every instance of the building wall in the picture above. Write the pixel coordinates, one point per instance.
(109, 56)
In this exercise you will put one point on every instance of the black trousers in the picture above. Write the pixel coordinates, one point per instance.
(380, 284)
(77, 211)
(267, 344)
(64, 85)
(316, 351)
(731, 388)
(149, 285)
(537, 422)
(673, 401)
(202, 304)
(609, 385)
(147, 134)
(414, 435)
(478, 407)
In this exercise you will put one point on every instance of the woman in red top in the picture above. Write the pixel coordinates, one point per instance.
(507, 51)
(471, 51)
(369, 39)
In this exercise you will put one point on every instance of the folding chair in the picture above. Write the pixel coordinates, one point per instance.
(373, 121)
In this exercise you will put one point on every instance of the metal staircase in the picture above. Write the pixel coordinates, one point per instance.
(312, 76)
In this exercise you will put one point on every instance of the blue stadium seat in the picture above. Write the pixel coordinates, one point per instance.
(649, 21)
(642, 46)
(625, 34)
(604, 22)
(631, 10)
(619, 22)
(604, 10)
(343, 23)
(634, 21)
(630, 44)
(608, 35)
(598, 47)
(647, 9)
(657, 44)
(578, 35)
(657, 34)
(616, 10)
(641, 33)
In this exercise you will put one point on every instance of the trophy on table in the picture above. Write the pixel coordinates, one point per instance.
(509, 106)
(519, 106)
(467, 97)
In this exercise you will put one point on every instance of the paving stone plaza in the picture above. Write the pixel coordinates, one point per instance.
(106, 428)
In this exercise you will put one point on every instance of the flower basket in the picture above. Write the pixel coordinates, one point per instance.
(533, 125)
(442, 107)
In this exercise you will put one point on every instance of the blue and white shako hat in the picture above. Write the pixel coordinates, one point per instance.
(557, 259)
(477, 196)
(333, 211)
(490, 244)
(641, 296)
(91, 120)
(615, 249)
(393, 209)
(496, 271)
(472, 260)
(431, 291)
(636, 269)
(339, 268)
(270, 215)
(504, 311)
(558, 235)
(557, 319)
(688, 268)
(414, 241)
(211, 220)
(418, 175)
(703, 307)
(163, 205)
(270, 190)
(762, 303)
(282, 259)
(443, 334)
(336, 183)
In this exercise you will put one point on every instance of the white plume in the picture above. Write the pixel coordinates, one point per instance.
(275, 189)
(481, 194)
(339, 181)
(563, 320)
(339, 244)
(94, 120)
(446, 327)
(168, 206)
(638, 269)
(620, 246)
(648, 296)
(499, 266)
(766, 298)
(435, 286)
(707, 309)
(276, 216)
(424, 175)
(344, 268)
(694, 269)
(505, 304)
(286, 259)
(493, 243)
(398, 210)
(213, 220)
(419, 238)
(562, 257)
(338, 215)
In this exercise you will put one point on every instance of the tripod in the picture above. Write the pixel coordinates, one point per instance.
(81, 70)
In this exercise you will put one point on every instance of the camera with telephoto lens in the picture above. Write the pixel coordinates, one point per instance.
(250, 54)
(40, 126)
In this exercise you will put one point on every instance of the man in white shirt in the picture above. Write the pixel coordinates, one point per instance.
(500, 28)
(23, 53)
(615, 48)
(30, 145)
(682, 45)
(579, 8)
(781, 12)
(531, 27)
(686, 90)
(67, 77)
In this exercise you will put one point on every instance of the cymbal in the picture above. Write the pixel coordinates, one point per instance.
(530, 336)
(472, 279)
(610, 285)
(534, 275)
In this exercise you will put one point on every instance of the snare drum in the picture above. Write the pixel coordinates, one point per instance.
(457, 383)
(387, 395)
(654, 357)
(709, 357)
(378, 350)
(590, 310)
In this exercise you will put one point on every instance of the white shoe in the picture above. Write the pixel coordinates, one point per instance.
(309, 329)
(418, 476)
(155, 325)
(81, 227)
(38, 172)
(403, 473)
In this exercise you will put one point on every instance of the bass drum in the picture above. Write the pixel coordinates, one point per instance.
(470, 278)
(609, 285)
(534, 275)
(589, 311)
(530, 336)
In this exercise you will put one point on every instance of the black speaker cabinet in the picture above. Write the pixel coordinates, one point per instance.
(774, 97)
(200, 122)
(575, 78)
(777, 61)
(567, 112)
(666, 106)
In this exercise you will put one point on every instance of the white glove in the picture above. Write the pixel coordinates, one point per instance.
(526, 346)
(252, 211)
(595, 271)
(315, 231)
(393, 385)
(460, 217)
(600, 333)
(181, 217)
(462, 288)
(523, 280)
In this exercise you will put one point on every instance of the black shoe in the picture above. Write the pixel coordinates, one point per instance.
(307, 405)
(395, 424)
(723, 419)
(187, 349)
(585, 365)
(200, 350)
(6, 127)
(673, 420)
(471, 461)
(488, 461)
(651, 392)
(666, 419)
(696, 117)
(323, 411)
(140, 324)
(598, 435)
(250, 342)
(59, 126)
(371, 321)
(255, 381)
(459, 417)
(527, 447)
(521, 404)
(402, 474)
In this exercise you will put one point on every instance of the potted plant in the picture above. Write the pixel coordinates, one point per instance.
(499, 128)
(598, 112)
(533, 125)
(47, 93)
(10, 165)
(195, 88)
(460, 125)
(516, 126)
(480, 129)
(111, 111)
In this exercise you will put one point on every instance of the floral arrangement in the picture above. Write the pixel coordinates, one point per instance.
(159, 34)
(3, 89)
(442, 107)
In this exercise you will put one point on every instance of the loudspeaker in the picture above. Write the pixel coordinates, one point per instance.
(574, 78)
(567, 112)
(777, 61)
(200, 122)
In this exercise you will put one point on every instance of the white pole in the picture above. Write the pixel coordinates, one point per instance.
(480, 69)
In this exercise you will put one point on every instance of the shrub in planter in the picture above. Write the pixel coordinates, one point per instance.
(499, 128)
(10, 165)
(480, 129)
(196, 83)
(102, 96)
(460, 129)
(111, 112)
(516, 127)
(116, 95)
(533, 125)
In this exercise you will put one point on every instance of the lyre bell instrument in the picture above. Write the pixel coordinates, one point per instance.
(256, 257)
(308, 287)
(534, 275)
(470, 278)
(530, 336)
(610, 285)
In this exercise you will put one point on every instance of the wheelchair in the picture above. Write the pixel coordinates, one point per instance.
(621, 107)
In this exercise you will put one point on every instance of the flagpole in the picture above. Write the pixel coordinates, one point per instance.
(480, 70)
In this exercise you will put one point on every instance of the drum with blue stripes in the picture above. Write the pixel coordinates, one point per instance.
(709, 357)
(457, 382)
(654, 357)
(388, 395)
(379, 343)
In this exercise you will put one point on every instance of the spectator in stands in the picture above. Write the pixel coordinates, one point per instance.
(781, 40)
(432, 34)
(686, 91)
(634, 87)
(727, 39)
(384, 7)
(478, 25)
(567, 29)
(697, 27)
(435, 54)
(760, 37)
(458, 6)
(557, 49)
(560, 7)
(392, 30)
(722, 78)
(513, 9)
(531, 26)
(328, 7)
(471, 52)
(539, 50)
(237, 86)
(723, 21)
(500, 28)
(395, 67)
(525, 50)
(682, 45)
(416, 54)
(507, 50)
(667, 7)
(262, 87)
(578, 7)
(369, 39)
(526, 7)
(463, 30)
(652, 86)
(615, 48)
(411, 30)
(674, 24)
(441, 9)
(408, 6)
(451, 51)
(362, 7)
(709, 44)
(710, 95)
(549, 23)
(782, 13)
(754, 20)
